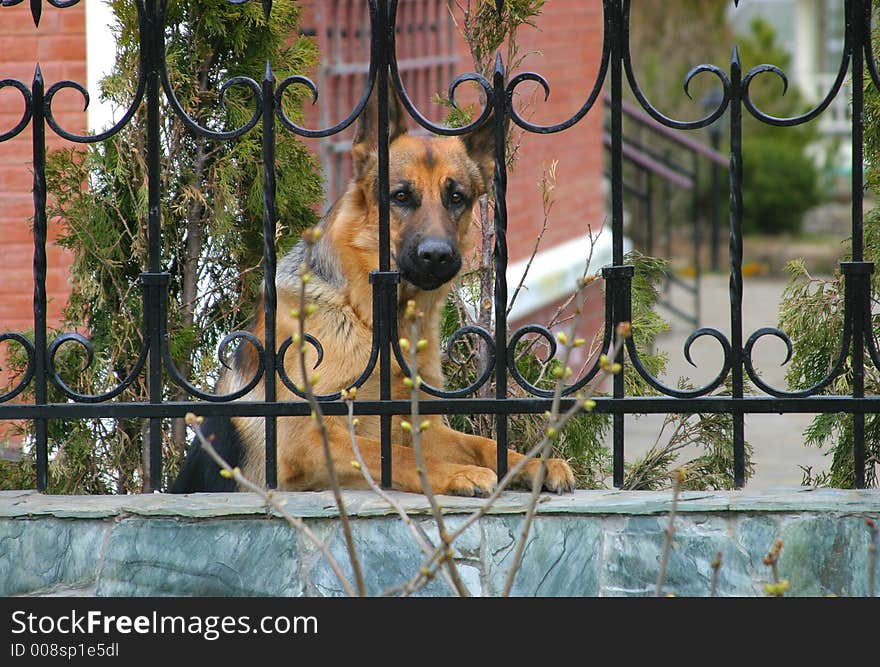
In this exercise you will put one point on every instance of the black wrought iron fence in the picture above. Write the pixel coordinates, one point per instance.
(657, 172)
(857, 346)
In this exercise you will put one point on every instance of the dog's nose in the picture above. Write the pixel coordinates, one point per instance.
(438, 257)
(429, 261)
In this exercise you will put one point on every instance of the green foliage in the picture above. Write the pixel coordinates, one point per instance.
(767, 90)
(650, 272)
(710, 434)
(485, 32)
(705, 437)
(667, 39)
(582, 442)
(872, 126)
(780, 183)
(811, 314)
(211, 221)
(780, 178)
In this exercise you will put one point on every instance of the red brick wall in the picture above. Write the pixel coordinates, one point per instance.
(569, 46)
(565, 50)
(59, 46)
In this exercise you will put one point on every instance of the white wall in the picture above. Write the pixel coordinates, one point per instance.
(100, 56)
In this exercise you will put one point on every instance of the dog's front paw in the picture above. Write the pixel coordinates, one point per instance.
(469, 481)
(558, 478)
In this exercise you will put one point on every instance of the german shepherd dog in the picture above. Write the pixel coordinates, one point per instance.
(434, 183)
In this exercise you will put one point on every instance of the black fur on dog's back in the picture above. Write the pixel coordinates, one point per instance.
(199, 472)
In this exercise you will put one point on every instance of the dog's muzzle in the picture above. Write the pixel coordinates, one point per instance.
(430, 263)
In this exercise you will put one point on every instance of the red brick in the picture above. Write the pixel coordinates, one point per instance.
(75, 71)
(14, 46)
(15, 179)
(71, 21)
(16, 304)
(12, 106)
(51, 18)
(20, 258)
(15, 232)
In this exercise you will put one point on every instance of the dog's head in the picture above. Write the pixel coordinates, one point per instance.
(434, 184)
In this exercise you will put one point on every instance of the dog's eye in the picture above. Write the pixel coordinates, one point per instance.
(401, 197)
(456, 198)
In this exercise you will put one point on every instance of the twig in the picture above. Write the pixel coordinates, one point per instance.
(417, 532)
(269, 498)
(872, 554)
(657, 454)
(678, 476)
(777, 588)
(553, 418)
(583, 402)
(552, 427)
(415, 428)
(557, 319)
(311, 236)
(716, 566)
(548, 183)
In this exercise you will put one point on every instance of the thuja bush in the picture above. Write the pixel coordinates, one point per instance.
(780, 177)
(811, 314)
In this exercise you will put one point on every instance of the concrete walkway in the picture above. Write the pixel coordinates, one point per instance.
(777, 440)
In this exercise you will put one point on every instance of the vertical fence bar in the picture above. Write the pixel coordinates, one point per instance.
(857, 23)
(40, 266)
(612, 291)
(649, 212)
(151, 42)
(715, 138)
(616, 65)
(270, 297)
(384, 26)
(499, 102)
(697, 238)
(736, 261)
(667, 213)
(667, 224)
(857, 295)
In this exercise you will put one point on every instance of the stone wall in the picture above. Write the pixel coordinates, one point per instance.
(590, 543)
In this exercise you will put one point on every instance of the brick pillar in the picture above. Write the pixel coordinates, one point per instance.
(566, 50)
(59, 46)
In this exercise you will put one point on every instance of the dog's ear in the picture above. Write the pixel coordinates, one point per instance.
(480, 145)
(366, 140)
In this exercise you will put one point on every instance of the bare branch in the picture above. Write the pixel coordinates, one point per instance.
(569, 342)
(417, 532)
(547, 184)
(678, 476)
(271, 500)
(416, 428)
(311, 236)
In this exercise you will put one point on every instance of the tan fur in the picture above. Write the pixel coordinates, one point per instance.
(457, 463)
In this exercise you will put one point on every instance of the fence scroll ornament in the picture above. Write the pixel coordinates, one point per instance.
(615, 71)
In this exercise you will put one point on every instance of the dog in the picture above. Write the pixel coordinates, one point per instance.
(434, 185)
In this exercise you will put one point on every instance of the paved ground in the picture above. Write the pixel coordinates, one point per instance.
(777, 439)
